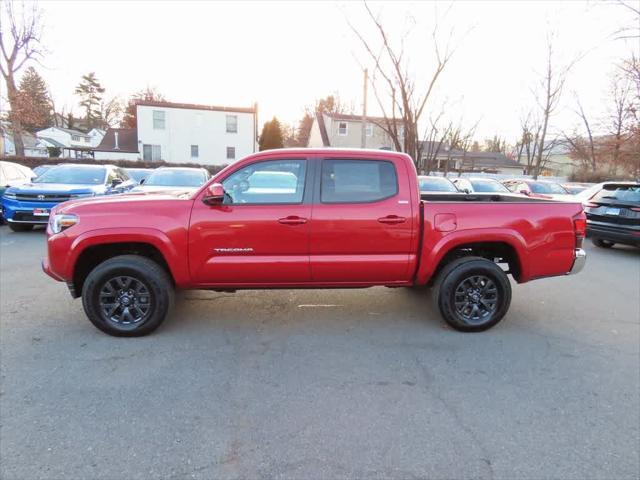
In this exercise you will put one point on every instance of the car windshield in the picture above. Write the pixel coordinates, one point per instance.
(619, 193)
(547, 187)
(138, 174)
(176, 178)
(488, 186)
(74, 174)
(431, 184)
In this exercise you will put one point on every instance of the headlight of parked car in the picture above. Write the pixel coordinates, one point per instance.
(10, 196)
(61, 222)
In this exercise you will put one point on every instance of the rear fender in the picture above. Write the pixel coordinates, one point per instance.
(436, 246)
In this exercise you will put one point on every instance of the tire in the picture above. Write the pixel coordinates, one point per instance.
(123, 282)
(20, 227)
(598, 242)
(481, 285)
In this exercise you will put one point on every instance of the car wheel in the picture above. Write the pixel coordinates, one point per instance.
(472, 294)
(127, 296)
(598, 242)
(20, 227)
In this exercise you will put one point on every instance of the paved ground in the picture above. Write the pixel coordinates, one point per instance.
(326, 384)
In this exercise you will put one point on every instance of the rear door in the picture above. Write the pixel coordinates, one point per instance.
(260, 235)
(362, 222)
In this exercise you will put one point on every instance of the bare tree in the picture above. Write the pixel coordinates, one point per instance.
(400, 99)
(583, 147)
(548, 98)
(20, 42)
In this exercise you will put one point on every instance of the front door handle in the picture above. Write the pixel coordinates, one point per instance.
(392, 219)
(292, 220)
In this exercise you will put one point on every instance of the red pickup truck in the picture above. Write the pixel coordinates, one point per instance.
(307, 218)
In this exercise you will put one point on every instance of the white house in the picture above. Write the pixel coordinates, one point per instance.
(33, 147)
(186, 133)
(345, 131)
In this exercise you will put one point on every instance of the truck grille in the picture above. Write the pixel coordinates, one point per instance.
(32, 197)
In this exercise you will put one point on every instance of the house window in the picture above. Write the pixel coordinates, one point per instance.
(232, 124)
(151, 152)
(158, 120)
(231, 153)
(369, 130)
(342, 128)
(194, 151)
(75, 138)
(87, 139)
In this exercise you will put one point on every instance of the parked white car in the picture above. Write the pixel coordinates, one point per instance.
(165, 179)
(13, 174)
(479, 185)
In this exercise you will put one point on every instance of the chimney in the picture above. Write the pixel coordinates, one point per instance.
(115, 141)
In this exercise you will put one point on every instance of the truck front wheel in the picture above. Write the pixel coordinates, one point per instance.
(472, 294)
(127, 296)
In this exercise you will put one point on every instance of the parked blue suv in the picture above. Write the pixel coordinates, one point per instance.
(28, 205)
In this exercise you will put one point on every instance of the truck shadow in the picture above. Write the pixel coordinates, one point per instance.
(334, 309)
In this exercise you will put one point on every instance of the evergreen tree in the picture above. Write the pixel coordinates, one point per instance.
(90, 92)
(271, 136)
(34, 100)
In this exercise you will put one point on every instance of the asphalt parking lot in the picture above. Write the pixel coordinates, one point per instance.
(323, 384)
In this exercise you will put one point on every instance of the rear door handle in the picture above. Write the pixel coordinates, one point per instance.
(392, 219)
(292, 220)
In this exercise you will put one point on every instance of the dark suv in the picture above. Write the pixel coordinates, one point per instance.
(613, 215)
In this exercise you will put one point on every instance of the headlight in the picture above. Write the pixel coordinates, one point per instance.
(61, 222)
(10, 196)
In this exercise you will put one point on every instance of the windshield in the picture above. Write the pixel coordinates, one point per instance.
(488, 186)
(619, 193)
(176, 178)
(547, 187)
(138, 174)
(430, 184)
(73, 174)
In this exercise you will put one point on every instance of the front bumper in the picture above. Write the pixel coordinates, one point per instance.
(18, 211)
(579, 260)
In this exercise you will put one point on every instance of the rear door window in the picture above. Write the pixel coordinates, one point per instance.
(357, 181)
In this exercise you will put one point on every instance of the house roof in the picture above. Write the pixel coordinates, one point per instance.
(490, 159)
(127, 141)
(193, 106)
(358, 118)
(53, 142)
(71, 131)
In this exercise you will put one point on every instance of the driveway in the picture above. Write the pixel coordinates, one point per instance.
(323, 384)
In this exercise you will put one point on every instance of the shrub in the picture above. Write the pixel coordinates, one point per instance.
(33, 162)
(595, 177)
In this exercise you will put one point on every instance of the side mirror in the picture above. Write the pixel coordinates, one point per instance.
(115, 182)
(524, 192)
(466, 190)
(214, 194)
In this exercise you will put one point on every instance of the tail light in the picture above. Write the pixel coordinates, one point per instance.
(590, 205)
(580, 228)
(635, 209)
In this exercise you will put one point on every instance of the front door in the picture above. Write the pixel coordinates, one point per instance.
(260, 234)
(362, 226)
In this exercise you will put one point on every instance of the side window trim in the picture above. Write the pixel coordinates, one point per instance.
(318, 197)
(308, 185)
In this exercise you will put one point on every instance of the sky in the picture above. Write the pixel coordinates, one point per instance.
(285, 55)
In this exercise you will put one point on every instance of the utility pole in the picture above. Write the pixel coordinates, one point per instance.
(363, 138)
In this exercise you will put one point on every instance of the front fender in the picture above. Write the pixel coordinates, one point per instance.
(168, 247)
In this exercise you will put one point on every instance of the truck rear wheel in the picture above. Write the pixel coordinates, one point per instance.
(472, 294)
(127, 296)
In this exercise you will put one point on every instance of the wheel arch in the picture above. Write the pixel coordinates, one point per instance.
(509, 248)
(93, 248)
